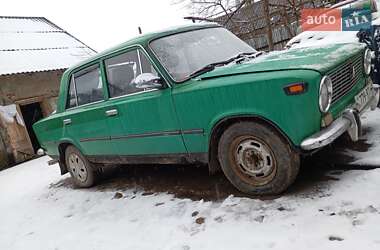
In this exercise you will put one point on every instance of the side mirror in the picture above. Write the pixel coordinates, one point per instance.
(147, 81)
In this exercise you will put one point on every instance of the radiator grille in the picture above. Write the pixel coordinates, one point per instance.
(345, 76)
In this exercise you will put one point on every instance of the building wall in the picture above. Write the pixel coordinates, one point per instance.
(25, 86)
(3, 153)
(23, 89)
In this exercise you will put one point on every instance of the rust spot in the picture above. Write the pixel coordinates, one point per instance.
(200, 220)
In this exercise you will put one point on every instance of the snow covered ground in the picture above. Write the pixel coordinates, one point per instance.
(38, 210)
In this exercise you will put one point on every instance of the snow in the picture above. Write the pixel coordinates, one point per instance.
(328, 59)
(9, 114)
(372, 156)
(41, 60)
(38, 212)
(318, 38)
(27, 24)
(30, 44)
(26, 41)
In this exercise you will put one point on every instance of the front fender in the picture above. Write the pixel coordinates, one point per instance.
(233, 116)
(203, 104)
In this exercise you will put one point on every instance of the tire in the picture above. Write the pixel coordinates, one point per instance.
(81, 170)
(256, 159)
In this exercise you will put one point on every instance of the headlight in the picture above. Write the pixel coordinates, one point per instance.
(367, 61)
(325, 94)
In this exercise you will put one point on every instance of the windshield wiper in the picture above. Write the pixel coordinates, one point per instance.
(243, 56)
(212, 66)
(207, 68)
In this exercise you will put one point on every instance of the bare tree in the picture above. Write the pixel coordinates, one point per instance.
(246, 17)
(210, 10)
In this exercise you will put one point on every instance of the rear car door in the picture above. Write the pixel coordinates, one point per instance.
(143, 121)
(85, 120)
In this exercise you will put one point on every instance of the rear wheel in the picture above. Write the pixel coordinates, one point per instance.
(256, 159)
(80, 168)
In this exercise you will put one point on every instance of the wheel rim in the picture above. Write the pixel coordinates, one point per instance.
(77, 168)
(253, 160)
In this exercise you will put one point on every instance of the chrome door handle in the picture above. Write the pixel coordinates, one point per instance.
(66, 121)
(111, 112)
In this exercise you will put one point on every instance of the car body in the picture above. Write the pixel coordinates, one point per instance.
(198, 94)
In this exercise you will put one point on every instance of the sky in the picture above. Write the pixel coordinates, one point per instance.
(101, 24)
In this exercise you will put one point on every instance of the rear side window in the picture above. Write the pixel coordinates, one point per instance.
(86, 87)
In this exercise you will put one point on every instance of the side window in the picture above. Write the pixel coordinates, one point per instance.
(123, 69)
(72, 97)
(86, 87)
(147, 67)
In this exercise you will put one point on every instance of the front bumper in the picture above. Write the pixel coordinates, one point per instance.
(349, 122)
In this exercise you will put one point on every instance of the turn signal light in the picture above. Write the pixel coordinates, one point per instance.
(295, 88)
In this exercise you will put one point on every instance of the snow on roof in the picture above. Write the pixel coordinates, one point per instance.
(31, 44)
(318, 38)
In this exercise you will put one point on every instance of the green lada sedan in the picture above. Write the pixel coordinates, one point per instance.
(199, 95)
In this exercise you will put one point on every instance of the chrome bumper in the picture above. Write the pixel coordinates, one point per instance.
(348, 122)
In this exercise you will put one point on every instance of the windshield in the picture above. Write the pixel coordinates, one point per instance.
(185, 53)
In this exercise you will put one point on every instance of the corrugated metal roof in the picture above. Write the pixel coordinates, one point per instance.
(30, 44)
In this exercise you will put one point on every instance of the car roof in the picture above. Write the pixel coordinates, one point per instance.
(144, 39)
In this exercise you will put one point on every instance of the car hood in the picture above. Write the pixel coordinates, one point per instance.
(321, 59)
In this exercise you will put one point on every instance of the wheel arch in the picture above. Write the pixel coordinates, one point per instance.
(62, 146)
(224, 123)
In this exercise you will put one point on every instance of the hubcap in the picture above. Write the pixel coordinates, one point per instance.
(254, 158)
(77, 168)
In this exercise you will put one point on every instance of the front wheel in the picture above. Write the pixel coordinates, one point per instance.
(256, 159)
(80, 168)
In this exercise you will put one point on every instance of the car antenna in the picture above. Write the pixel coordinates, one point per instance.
(140, 32)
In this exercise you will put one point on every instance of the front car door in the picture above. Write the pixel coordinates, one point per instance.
(144, 121)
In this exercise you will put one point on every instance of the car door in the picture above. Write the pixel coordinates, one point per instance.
(142, 121)
(85, 116)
